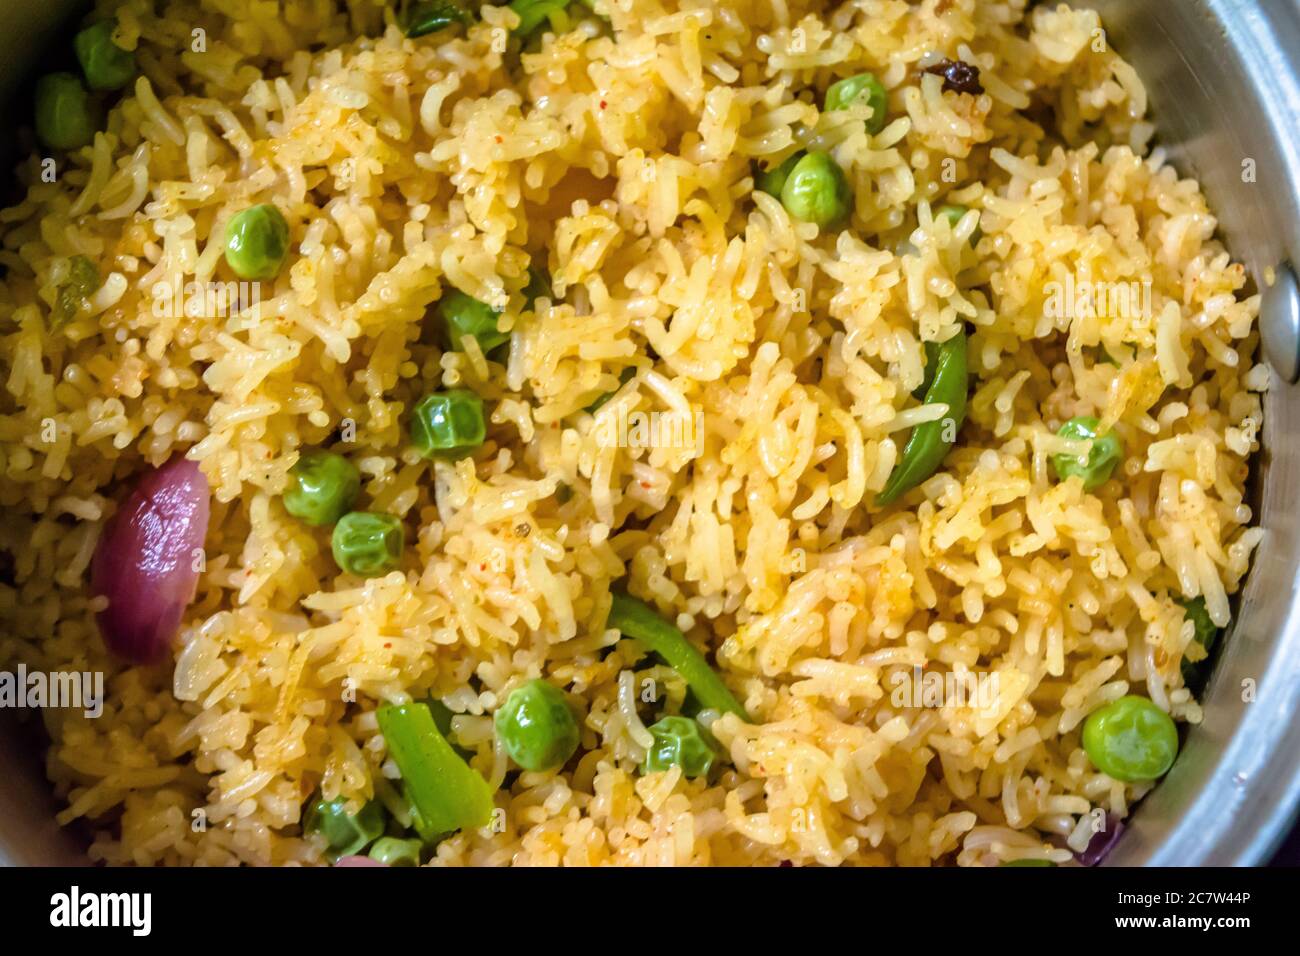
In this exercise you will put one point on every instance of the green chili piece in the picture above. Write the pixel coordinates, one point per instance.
(446, 793)
(930, 441)
(638, 620)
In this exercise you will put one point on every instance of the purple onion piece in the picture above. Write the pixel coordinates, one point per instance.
(148, 558)
(357, 861)
(1102, 842)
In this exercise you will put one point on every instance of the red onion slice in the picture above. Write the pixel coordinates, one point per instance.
(1102, 842)
(148, 559)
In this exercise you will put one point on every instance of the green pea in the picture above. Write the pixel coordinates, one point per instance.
(392, 851)
(817, 191)
(367, 543)
(464, 315)
(66, 117)
(678, 742)
(953, 213)
(1205, 633)
(1131, 739)
(863, 88)
(448, 424)
(536, 726)
(257, 241)
(322, 487)
(81, 282)
(772, 181)
(1027, 862)
(429, 17)
(1107, 451)
(345, 833)
(105, 64)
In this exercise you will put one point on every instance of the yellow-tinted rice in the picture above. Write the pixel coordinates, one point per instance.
(620, 157)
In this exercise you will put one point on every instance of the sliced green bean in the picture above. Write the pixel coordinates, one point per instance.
(931, 363)
(446, 793)
(638, 620)
(930, 442)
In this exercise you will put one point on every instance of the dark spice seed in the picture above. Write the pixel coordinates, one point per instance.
(958, 76)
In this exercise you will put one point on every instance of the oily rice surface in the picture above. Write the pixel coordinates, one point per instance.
(618, 154)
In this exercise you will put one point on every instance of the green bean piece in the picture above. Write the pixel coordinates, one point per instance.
(817, 191)
(323, 485)
(1027, 862)
(345, 833)
(367, 543)
(257, 242)
(1131, 739)
(464, 315)
(392, 851)
(448, 424)
(930, 442)
(863, 88)
(1096, 469)
(678, 742)
(536, 726)
(772, 181)
(1206, 633)
(638, 620)
(426, 18)
(66, 117)
(446, 793)
(105, 64)
(81, 282)
(533, 13)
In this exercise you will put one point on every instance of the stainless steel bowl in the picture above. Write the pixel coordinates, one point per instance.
(1225, 92)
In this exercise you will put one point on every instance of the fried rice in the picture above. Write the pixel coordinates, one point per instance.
(619, 154)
